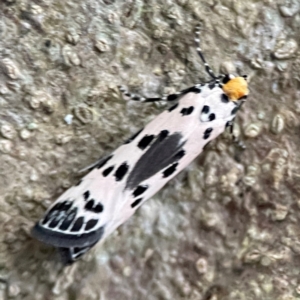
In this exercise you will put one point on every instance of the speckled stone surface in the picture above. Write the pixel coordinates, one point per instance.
(225, 228)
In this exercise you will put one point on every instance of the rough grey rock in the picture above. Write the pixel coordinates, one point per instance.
(225, 228)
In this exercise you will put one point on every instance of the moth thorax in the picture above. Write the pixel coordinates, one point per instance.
(236, 88)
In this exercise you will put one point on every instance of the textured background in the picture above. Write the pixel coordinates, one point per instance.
(225, 228)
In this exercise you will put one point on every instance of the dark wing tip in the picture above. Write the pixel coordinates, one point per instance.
(66, 240)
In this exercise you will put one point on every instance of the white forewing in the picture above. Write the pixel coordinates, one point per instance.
(116, 186)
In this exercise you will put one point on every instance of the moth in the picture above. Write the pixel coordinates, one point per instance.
(121, 182)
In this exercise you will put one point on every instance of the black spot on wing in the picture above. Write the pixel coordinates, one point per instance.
(206, 115)
(133, 137)
(90, 206)
(54, 223)
(55, 208)
(103, 162)
(91, 224)
(50, 216)
(98, 208)
(187, 111)
(205, 109)
(162, 135)
(195, 90)
(207, 133)
(121, 171)
(211, 117)
(145, 141)
(173, 107)
(158, 156)
(71, 214)
(107, 171)
(169, 171)
(86, 195)
(66, 218)
(59, 209)
(139, 190)
(65, 224)
(65, 205)
(136, 202)
(224, 98)
(77, 225)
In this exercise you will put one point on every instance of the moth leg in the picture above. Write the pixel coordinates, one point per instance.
(167, 98)
(235, 139)
(238, 142)
(70, 255)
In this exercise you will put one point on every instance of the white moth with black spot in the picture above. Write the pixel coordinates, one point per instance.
(119, 183)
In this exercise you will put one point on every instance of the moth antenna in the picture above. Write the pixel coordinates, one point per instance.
(199, 51)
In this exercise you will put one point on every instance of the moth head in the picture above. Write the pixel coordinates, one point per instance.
(236, 88)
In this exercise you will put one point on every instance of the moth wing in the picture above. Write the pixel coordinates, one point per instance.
(79, 216)
(188, 127)
(86, 212)
(170, 151)
(108, 195)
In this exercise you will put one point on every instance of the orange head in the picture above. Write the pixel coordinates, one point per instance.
(235, 88)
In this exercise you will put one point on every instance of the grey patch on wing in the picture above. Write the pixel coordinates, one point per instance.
(159, 155)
